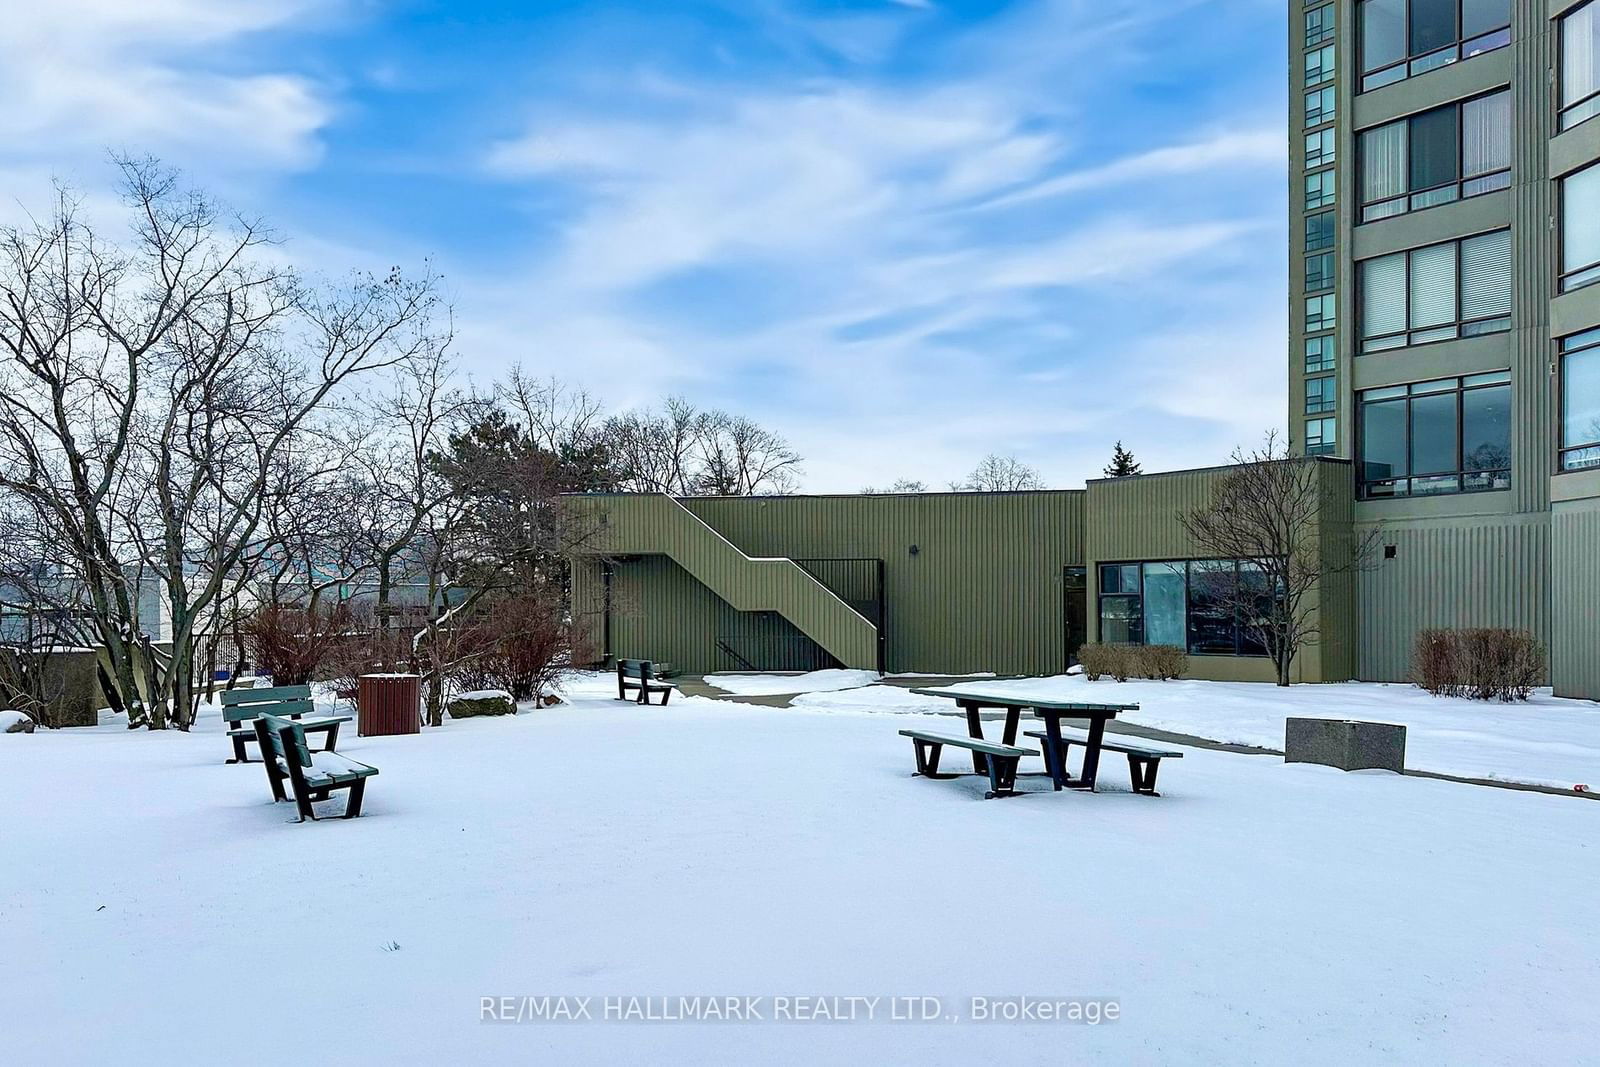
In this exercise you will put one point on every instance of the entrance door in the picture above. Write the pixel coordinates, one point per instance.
(1074, 610)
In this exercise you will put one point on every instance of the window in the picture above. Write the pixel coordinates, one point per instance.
(1320, 396)
(1319, 66)
(1437, 293)
(1319, 25)
(1319, 189)
(1449, 153)
(1319, 149)
(1321, 436)
(1580, 401)
(1320, 106)
(1319, 313)
(1403, 38)
(1319, 231)
(1580, 228)
(1202, 606)
(1319, 272)
(1319, 354)
(1446, 436)
(1580, 64)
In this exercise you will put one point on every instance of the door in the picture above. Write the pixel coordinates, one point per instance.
(1074, 610)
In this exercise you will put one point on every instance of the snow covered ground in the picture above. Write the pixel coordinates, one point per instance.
(155, 905)
(1546, 741)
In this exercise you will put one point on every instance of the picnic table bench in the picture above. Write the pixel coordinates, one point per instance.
(1000, 760)
(640, 674)
(973, 701)
(312, 776)
(1143, 760)
(240, 706)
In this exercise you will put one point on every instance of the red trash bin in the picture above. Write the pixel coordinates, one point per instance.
(388, 704)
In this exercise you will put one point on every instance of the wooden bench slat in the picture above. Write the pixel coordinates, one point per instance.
(1108, 745)
(991, 748)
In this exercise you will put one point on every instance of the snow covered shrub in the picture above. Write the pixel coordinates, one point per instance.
(1480, 664)
(1161, 662)
(482, 702)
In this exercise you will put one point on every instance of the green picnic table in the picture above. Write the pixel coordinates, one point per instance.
(974, 700)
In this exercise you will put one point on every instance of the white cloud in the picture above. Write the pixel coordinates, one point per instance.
(855, 202)
(78, 76)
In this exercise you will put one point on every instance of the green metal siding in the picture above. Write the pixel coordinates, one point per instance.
(657, 524)
(1575, 629)
(1137, 519)
(1468, 571)
(983, 592)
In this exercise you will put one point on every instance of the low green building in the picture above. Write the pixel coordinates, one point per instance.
(946, 583)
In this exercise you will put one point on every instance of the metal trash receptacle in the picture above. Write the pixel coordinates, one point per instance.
(388, 704)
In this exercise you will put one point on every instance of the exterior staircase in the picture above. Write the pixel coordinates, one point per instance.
(656, 524)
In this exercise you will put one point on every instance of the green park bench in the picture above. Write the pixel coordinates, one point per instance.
(1143, 760)
(639, 674)
(312, 776)
(240, 706)
(1000, 760)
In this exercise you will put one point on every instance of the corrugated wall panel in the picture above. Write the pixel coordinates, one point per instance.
(1137, 520)
(1481, 571)
(982, 593)
(653, 523)
(1575, 601)
(1533, 251)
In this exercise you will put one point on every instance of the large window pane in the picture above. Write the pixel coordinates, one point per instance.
(1319, 231)
(1580, 222)
(1433, 25)
(1580, 58)
(1435, 145)
(1383, 33)
(1119, 578)
(1383, 440)
(1383, 295)
(1486, 429)
(1486, 275)
(1486, 134)
(1211, 616)
(1480, 16)
(1255, 598)
(1383, 162)
(1120, 621)
(1433, 434)
(1165, 595)
(1433, 286)
(1580, 407)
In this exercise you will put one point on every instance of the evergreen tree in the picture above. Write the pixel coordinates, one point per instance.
(1122, 463)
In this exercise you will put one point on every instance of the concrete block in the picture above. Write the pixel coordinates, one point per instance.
(1348, 744)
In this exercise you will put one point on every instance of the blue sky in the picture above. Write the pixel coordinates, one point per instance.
(903, 232)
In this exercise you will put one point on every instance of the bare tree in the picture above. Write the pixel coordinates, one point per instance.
(148, 395)
(899, 485)
(685, 451)
(1266, 513)
(738, 457)
(1000, 474)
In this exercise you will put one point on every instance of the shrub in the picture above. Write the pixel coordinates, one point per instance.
(1479, 664)
(1157, 662)
(1097, 660)
(291, 642)
(1162, 662)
